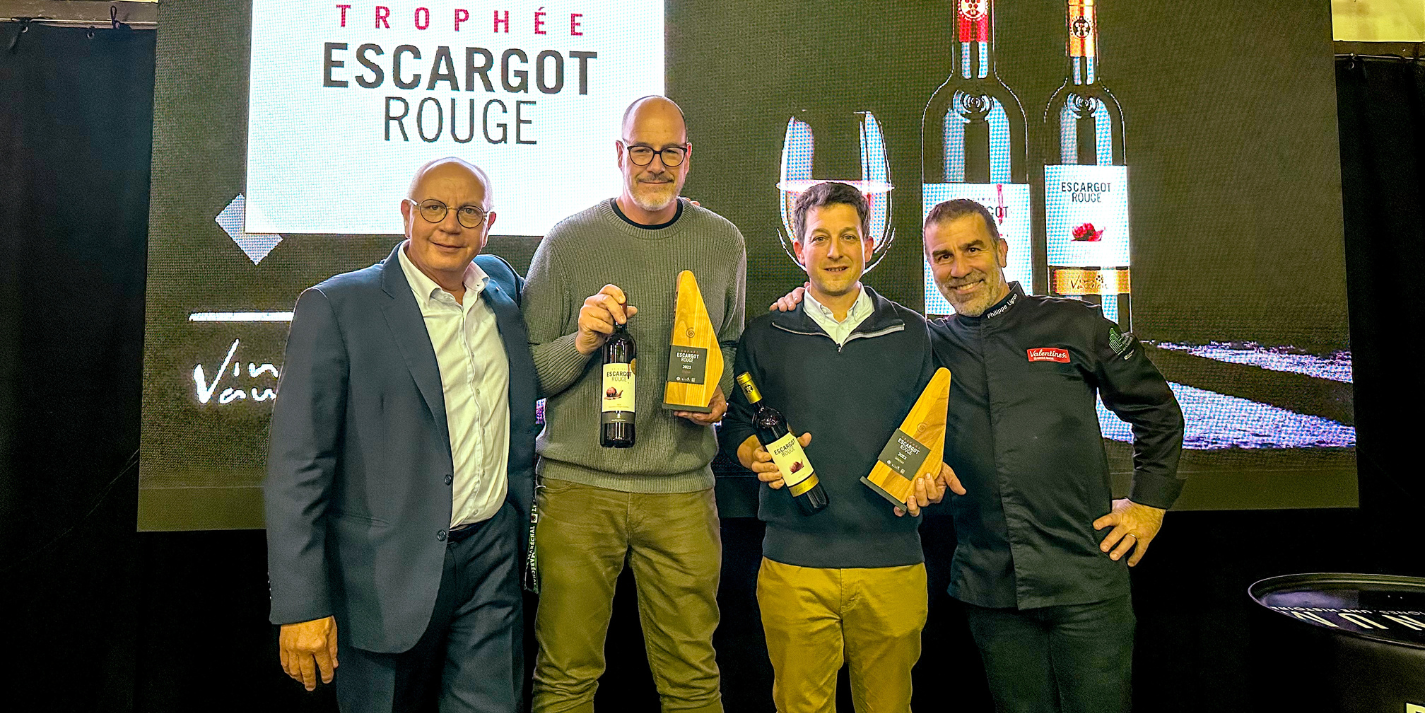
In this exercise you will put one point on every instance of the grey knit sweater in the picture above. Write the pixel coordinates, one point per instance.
(576, 259)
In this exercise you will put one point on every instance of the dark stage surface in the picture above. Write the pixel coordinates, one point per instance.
(103, 618)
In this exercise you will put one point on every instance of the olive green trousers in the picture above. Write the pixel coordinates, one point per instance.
(673, 544)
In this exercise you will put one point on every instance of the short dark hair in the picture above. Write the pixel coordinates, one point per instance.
(825, 194)
(959, 208)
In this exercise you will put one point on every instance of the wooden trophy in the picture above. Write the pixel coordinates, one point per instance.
(917, 447)
(694, 359)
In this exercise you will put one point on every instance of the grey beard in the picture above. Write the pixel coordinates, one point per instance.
(968, 310)
(651, 207)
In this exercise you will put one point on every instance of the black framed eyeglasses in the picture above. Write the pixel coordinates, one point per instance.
(470, 216)
(672, 156)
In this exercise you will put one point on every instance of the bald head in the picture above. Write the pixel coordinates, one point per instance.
(448, 217)
(450, 169)
(656, 113)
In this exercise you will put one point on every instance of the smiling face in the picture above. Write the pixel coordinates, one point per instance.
(834, 249)
(444, 249)
(654, 123)
(968, 263)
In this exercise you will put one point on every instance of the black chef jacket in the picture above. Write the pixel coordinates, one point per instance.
(1023, 437)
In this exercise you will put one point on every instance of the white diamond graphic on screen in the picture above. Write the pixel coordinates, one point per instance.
(256, 247)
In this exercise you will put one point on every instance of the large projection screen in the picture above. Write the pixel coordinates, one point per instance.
(1197, 198)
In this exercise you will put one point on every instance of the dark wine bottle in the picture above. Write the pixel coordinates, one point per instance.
(792, 462)
(617, 392)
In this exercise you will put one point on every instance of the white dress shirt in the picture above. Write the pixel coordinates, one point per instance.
(839, 331)
(475, 377)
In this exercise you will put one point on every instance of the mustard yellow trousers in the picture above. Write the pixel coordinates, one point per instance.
(817, 619)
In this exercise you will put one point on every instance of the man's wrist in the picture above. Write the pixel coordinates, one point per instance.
(1135, 503)
(580, 341)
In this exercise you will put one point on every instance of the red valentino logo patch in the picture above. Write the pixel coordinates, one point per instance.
(1049, 354)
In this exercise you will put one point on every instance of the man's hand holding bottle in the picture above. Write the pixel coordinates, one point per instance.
(598, 317)
(755, 458)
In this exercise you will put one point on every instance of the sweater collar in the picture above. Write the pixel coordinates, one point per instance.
(613, 203)
(605, 211)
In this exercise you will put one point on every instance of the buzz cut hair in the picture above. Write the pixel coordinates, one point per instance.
(959, 208)
(825, 194)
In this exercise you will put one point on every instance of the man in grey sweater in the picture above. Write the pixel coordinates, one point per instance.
(651, 505)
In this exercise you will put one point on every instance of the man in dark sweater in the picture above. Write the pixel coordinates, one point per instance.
(846, 584)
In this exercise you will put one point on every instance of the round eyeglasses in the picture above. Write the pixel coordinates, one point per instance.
(434, 211)
(672, 156)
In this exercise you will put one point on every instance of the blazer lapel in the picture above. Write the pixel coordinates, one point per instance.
(512, 328)
(408, 328)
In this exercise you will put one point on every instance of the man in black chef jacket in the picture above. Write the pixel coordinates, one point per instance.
(1040, 562)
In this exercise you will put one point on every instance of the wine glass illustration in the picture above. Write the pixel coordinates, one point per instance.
(848, 147)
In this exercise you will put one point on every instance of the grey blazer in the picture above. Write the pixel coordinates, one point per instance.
(358, 489)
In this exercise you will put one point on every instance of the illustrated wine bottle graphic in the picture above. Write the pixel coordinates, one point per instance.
(786, 451)
(616, 398)
(1086, 179)
(974, 145)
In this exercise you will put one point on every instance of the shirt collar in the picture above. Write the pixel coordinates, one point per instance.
(426, 289)
(859, 309)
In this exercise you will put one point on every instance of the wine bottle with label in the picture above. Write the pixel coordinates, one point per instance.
(1086, 179)
(786, 451)
(616, 398)
(974, 144)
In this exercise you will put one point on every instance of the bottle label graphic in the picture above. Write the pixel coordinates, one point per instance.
(1010, 204)
(1086, 212)
(792, 463)
(618, 392)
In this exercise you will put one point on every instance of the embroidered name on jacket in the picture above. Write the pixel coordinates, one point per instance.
(1049, 354)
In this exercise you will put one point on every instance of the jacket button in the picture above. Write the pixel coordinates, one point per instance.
(440, 535)
(449, 479)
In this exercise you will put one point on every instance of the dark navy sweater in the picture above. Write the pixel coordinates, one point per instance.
(851, 398)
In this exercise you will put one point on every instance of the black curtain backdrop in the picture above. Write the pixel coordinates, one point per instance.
(75, 117)
(101, 618)
(1381, 110)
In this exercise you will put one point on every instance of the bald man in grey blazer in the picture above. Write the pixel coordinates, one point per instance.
(401, 467)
